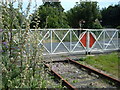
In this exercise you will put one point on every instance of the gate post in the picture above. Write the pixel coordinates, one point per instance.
(88, 43)
(70, 40)
(104, 40)
(51, 40)
(118, 39)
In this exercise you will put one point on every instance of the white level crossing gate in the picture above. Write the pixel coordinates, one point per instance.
(58, 41)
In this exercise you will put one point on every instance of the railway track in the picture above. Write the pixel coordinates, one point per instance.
(75, 75)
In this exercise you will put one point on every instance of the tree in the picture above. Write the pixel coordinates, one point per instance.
(83, 11)
(111, 16)
(50, 15)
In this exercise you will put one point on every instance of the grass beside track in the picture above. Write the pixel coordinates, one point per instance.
(107, 62)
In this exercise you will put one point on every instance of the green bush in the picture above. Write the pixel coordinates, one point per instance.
(118, 27)
(21, 55)
(97, 26)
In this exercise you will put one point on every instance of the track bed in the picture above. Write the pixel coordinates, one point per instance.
(80, 77)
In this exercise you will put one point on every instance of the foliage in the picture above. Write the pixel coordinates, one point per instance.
(20, 17)
(83, 11)
(51, 15)
(22, 62)
(97, 25)
(118, 27)
(111, 16)
(107, 63)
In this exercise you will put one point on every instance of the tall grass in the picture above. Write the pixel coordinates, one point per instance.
(108, 63)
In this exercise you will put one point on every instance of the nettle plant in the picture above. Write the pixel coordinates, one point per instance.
(22, 62)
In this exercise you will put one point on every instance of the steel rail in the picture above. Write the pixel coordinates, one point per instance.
(117, 82)
(90, 70)
(64, 82)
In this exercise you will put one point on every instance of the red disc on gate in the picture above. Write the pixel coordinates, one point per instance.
(84, 39)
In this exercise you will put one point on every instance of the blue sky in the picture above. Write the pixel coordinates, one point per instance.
(67, 4)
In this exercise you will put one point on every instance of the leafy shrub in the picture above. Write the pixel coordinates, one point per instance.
(118, 27)
(22, 63)
(97, 26)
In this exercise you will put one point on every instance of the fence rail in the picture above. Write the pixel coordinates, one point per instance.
(57, 41)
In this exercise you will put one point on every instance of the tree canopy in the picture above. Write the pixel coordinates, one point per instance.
(111, 16)
(84, 11)
(49, 15)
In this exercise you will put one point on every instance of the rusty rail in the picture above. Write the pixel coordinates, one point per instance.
(117, 82)
(64, 82)
(71, 87)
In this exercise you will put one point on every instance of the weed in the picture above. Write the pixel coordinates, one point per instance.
(75, 81)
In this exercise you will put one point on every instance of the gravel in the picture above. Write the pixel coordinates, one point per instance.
(79, 78)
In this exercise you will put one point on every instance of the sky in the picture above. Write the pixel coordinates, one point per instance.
(67, 4)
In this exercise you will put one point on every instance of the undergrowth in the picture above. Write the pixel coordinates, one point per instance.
(22, 61)
(107, 62)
